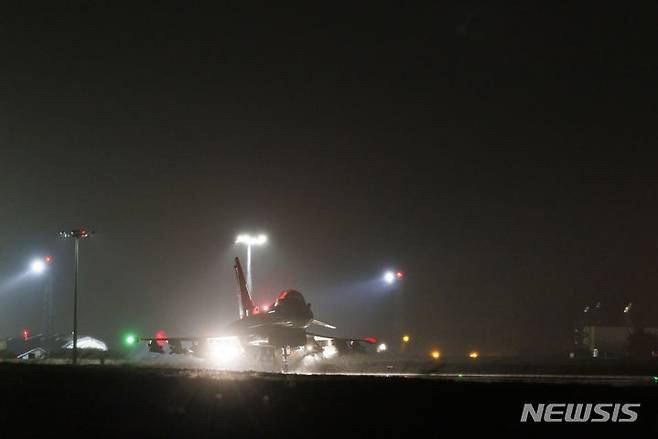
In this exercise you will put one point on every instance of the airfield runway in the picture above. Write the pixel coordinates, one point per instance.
(130, 401)
(611, 380)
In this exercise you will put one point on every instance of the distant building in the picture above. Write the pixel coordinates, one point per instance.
(87, 343)
(615, 331)
(40, 346)
(609, 341)
(33, 354)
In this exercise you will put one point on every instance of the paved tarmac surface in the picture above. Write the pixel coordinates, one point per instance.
(124, 401)
(611, 380)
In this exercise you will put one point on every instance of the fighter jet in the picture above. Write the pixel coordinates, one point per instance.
(261, 333)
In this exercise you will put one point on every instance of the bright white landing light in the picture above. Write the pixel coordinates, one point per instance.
(329, 351)
(223, 351)
(37, 266)
(389, 277)
(381, 347)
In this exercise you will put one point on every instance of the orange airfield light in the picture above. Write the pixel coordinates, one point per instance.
(435, 354)
(474, 355)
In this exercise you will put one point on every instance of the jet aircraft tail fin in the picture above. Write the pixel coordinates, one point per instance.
(246, 303)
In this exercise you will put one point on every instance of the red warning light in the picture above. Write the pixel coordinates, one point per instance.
(256, 310)
(372, 340)
(48, 259)
(160, 338)
(26, 334)
(399, 275)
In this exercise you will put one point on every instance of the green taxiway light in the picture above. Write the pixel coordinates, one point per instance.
(130, 340)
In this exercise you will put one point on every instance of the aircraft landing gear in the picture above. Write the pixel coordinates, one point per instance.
(284, 359)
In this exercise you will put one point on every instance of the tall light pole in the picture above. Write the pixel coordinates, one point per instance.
(395, 278)
(250, 241)
(39, 267)
(76, 235)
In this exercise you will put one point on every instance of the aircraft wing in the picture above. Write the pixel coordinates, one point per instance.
(321, 337)
(157, 343)
(321, 323)
(330, 346)
(181, 339)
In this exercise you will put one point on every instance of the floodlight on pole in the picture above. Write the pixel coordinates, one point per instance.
(37, 266)
(76, 235)
(250, 241)
(390, 276)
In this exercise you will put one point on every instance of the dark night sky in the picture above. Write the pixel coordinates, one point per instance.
(502, 155)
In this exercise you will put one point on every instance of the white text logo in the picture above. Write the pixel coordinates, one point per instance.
(563, 412)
